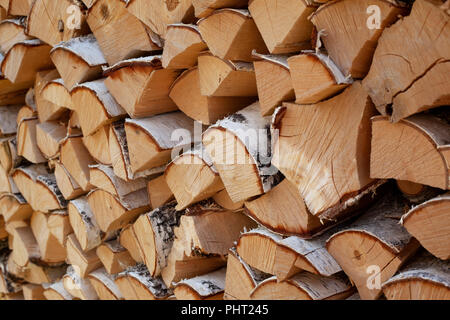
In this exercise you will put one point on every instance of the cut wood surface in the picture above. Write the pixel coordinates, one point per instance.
(185, 92)
(82, 262)
(315, 77)
(183, 44)
(303, 286)
(114, 257)
(210, 286)
(56, 93)
(429, 223)
(239, 147)
(412, 150)
(82, 52)
(284, 25)
(273, 81)
(151, 140)
(231, 34)
(57, 26)
(13, 31)
(98, 145)
(119, 33)
(360, 38)
(224, 78)
(46, 109)
(148, 86)
(69, 188)
(374, 245)
(192, 177)
(49, 136)
(204, 8)
(403, 80)
(159, 192)
(326, 179)
(104, 285)
(425, 278)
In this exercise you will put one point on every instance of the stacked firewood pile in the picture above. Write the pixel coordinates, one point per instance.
(224, 149)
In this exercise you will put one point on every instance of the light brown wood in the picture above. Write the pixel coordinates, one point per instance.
(223, 78)
(273, 81)
(39, 188)
(104, 285)
(56, 291)
(304, 286)
(13, 207)
(404, 80)
(241, 279)
(231, 34)
(98, 145)
(185, 92)
(35, 273)
(51, 250)
(49, 136)
(114, 257)
(82, 262)
(409, 150)
(159, 192)
(84, 225)
(192, 177)
(204, 8)
(95, 107)
(210, 286)
(158, 14)
(429, 223)
(128, 240)
(76, 159)
(135, 283)
(374, 247)
(417, 193)
(69, 188)
(25, 247)
(58, 25)
(239, 148)
(222, 198)
(24, 59)
(113, 213)
(47, 110)
(33, 292)
(424, 278)
(55, 92)
(315, 77)
(283, 210)
(340, 171)
(183, 44)
(9, 158)
(119, 33)
(13, 31)
(141, 86)
(284, 25)
(77, 286)
(151, 141)
(27, 146)
(352, 16)
(78, 60)
(12, 93)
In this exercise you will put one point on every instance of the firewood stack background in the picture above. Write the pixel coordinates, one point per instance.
(232, 149)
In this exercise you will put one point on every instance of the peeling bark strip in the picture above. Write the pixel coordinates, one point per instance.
(244, 164)
(56, 291)
(425, 278)
(360, 38)
(205, 287)
(138, 278)
(411, 76)
(155, 235)
(325, 153)
(429, 223)
(304, 286)
(412, 149)
(375, 245)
